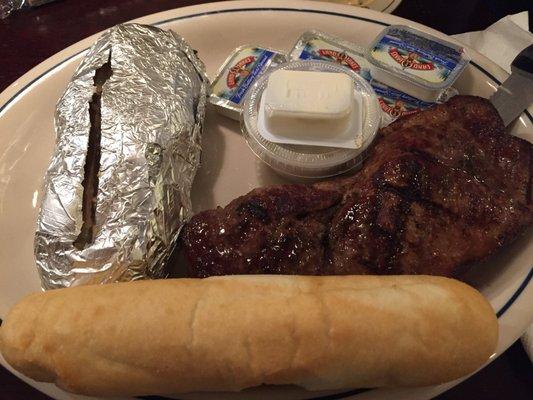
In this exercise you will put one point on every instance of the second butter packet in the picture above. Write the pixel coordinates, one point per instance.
(316, 45)
(237, 74)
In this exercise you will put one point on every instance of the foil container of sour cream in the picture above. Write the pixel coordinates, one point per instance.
(150, 112)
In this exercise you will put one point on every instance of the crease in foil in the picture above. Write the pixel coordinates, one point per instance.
(152, 111)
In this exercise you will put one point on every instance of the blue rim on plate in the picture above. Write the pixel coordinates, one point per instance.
(337, 396)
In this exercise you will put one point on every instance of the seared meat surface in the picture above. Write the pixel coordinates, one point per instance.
(270, 230)
(441, 190)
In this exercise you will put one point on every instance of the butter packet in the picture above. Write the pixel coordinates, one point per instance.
(316, 45)
(396, 104)
(416, 63)
(237, 74)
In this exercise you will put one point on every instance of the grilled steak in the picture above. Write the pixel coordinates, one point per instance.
(441, 190)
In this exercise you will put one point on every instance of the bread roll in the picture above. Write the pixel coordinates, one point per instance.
(231, 333)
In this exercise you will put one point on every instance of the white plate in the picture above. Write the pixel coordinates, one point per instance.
(386, 6)
(229, 169)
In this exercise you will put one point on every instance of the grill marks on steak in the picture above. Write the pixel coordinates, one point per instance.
(270, 230)
(419, 216)
(467, 133)
(441, 190)
(365, 234)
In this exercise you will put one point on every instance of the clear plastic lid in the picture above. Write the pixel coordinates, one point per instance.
(310, 161)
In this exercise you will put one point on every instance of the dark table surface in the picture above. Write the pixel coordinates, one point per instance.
(30, 36)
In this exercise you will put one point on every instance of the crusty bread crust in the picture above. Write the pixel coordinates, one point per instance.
(230, 333)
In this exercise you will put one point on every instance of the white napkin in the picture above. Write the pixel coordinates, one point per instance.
(501, 42)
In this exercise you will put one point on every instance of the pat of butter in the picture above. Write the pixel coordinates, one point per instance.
(311, 108)
(309, 94)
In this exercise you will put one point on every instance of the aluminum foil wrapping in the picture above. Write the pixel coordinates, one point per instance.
(8, 6)
(152, 111)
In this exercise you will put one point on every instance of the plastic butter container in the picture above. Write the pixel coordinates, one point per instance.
(415, 62)
(312, 108)
(316, 45)
(310, 161)
(237, 74)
